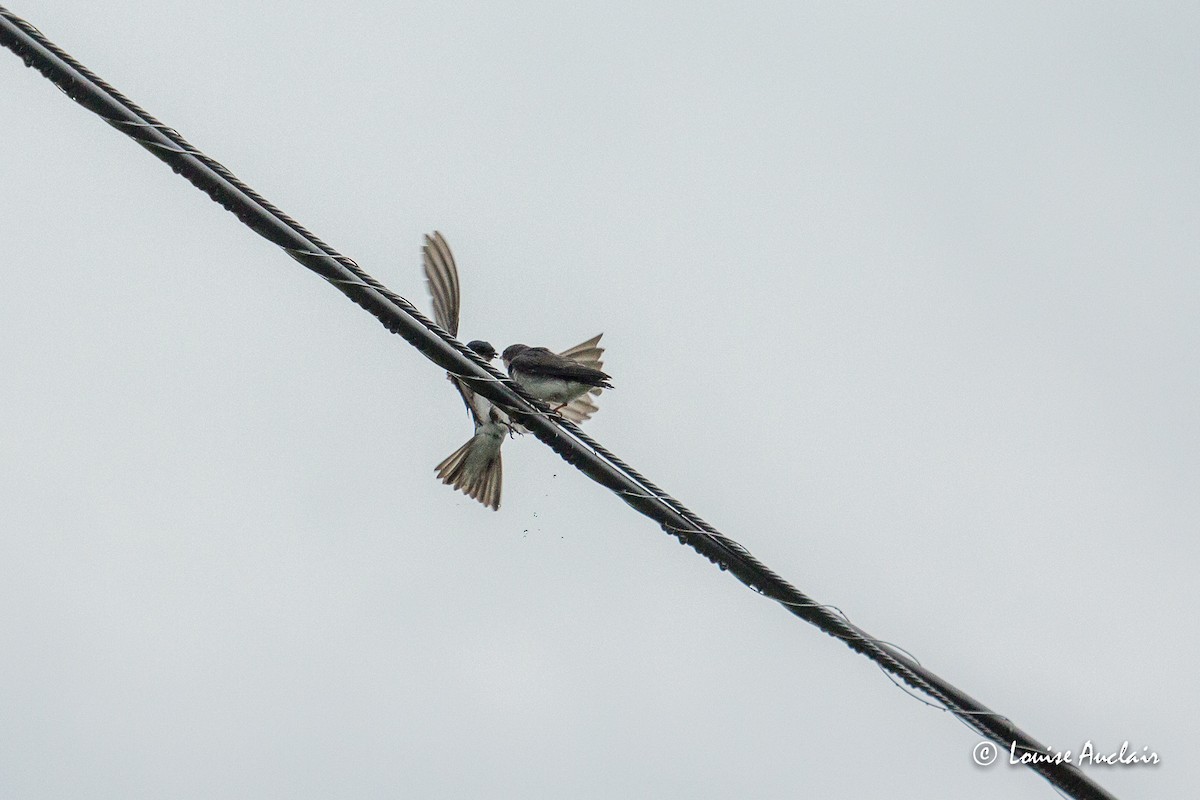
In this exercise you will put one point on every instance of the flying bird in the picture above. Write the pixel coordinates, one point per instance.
(475, 468)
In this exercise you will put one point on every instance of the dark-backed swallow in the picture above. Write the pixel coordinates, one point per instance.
(475, 468)
(548, 376)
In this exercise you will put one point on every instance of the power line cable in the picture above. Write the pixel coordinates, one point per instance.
(572, 444)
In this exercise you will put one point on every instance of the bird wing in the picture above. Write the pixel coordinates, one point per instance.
(441, 274)
(539, 362)
(588, 354)
(442, 277)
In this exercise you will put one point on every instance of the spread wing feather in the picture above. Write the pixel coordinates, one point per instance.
(442, 276)
(588, 354)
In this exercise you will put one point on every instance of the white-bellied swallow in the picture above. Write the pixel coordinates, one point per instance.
(552, 377)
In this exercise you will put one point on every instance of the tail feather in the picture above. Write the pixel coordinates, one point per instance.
(581, 408)
(475, 468)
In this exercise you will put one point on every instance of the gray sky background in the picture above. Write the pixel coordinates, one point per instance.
(902, 298)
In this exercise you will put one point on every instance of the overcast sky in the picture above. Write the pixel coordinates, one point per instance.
(903, 299)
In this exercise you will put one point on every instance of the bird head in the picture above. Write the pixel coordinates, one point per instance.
(511, 352)
(482, 349)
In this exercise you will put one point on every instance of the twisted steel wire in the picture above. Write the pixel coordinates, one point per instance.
(400, 316)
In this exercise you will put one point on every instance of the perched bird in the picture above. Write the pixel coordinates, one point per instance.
(587, 354)
(552, 377)
(475, 468)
